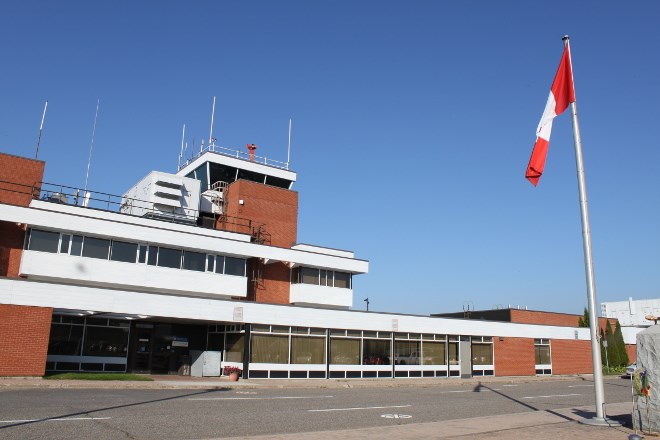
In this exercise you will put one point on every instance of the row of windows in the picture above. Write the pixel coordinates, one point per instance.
(321, 277)
(88, 337)
(92, 247)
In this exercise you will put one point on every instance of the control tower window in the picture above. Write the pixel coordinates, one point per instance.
(201, 174)
(276, 181)
(251, 176)
(221, 173)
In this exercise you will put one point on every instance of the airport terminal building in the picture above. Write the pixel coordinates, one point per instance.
(201, 269)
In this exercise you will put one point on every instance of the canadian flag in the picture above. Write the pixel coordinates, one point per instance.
(562, 93)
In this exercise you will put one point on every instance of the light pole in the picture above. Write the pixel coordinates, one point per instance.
(367, 301)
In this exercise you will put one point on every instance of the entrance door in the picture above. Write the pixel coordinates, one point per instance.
(143, 343)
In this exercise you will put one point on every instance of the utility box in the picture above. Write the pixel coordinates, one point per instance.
(205, 363)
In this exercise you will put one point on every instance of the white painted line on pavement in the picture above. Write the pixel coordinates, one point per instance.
(576, 386)
(554, 395)
(261, 398)
(485, 390)
(509, 385)
(355, 409)
(64, 419)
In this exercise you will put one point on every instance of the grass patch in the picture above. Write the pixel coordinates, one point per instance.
(98, 376)
(614, 371)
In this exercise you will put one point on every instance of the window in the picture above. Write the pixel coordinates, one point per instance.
(326, 277)
(116, 250)
(376, 351)
(234, 347)
(123, 251)
(169, 257)
(105, 341)
(345, 351)
(542, 352)
(307, 350)
(235, 266)
(452, 350)
(76, 245)
(96, 248)
(142, 253)
(482, 352)
(321, 277)
(269, 349)
(343, 280)
(406, 352)
(309, 275)
(44, 241)
(64, 244)
(194, 261)
(434, 353)
(219, 264)
(65, 339)
(152, 255)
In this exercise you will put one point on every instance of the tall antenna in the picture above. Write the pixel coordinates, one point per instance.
(288, 151)
(41, 127)
(212, 115)
(91, 146)
(183, 135)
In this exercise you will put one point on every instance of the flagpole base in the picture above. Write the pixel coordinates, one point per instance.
(600, 421)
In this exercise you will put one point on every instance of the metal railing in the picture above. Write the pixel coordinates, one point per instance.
(236, 154)
(71, 196)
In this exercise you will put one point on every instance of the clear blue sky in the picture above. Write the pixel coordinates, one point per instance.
(413, 122)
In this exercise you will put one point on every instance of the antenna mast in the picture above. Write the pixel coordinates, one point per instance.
(91, 146)
(212, 115)
(288, 151)
(43, 116)
(183, 135)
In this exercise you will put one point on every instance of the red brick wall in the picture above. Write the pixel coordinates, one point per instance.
(545, 318)
(277, 208)
(274, 285)
(550, 318)
(514, 357)
(18, 177)
(11, 248)
(24, 342)
(571, 356)
(631, 351)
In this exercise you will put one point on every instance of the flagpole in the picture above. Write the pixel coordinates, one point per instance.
(589, 269)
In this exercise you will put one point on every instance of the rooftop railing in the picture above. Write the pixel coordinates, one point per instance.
(16, 193)
(213, 148)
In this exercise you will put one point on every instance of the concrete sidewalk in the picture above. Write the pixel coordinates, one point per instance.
(557, 425)
(188, 382)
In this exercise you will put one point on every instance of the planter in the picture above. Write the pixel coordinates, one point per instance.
(233, 377)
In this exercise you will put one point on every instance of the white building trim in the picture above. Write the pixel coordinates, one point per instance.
(43, 294)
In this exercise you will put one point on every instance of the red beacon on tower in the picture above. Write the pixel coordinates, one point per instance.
(251, 148)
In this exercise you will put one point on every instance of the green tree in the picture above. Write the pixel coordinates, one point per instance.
(583, 321)
(612, 349)
(620, 346)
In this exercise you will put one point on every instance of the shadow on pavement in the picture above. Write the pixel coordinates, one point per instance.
(479, 386)
(128, 405)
